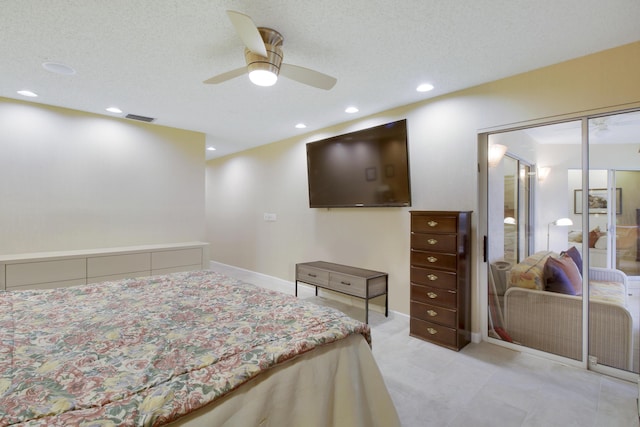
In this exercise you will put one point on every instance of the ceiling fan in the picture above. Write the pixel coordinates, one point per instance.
(263, 55)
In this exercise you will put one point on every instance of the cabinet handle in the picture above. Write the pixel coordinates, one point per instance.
(432, 223)
(345, 283)
(432, 313)
(432, 259)
(432, 277)
(432, 331)
(432, 241)
(312, 275)
(432, 295)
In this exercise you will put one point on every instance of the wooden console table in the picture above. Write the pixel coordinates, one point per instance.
(352, 281)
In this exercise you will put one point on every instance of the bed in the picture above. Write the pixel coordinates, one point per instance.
(193, 348)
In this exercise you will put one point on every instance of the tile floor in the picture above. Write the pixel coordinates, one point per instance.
(482, 385)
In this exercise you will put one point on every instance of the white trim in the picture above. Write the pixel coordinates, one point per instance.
(476, 337)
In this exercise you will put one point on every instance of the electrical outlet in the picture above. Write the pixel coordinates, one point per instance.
(269, 216)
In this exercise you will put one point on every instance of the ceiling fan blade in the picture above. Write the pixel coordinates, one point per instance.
(307, 76)
(226, 76)
(248, 32)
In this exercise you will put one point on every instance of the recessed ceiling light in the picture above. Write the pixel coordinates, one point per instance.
(58, 68)
(301, 126)
(351, 110)
(115, 110)
(27, 93)
(211, 149)
(424, 87)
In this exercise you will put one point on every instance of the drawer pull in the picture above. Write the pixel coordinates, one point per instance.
(312, 275)
(432, 295)
(432, 223)
(345, 283)
(432, 259)
(432, 331)
(432, 277)
(432, 313)
(432, 241)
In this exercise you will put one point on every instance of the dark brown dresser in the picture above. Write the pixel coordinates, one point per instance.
(441, 277)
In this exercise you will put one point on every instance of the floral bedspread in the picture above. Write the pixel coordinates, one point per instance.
(147, 351)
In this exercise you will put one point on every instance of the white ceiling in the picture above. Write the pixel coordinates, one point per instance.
(149, 57)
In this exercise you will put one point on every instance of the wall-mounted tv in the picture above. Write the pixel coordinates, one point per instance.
(366, 168)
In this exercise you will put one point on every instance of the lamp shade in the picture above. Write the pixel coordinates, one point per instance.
(563, 222)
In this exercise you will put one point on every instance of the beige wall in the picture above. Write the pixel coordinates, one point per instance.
(73, 180)
(443, 140)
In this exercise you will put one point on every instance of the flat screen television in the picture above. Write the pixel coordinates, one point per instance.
(366, 168)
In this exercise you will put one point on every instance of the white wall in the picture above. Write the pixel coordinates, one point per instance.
(72, 180)
(443, 141)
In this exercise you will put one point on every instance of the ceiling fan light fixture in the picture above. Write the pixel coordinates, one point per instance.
(263, 77)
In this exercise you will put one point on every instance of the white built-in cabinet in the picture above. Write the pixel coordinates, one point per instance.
(69, 268)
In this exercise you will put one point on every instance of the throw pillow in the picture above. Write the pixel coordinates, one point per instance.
(575, 255)
(594, 235)
(575, 236)
(562, 276)
(601, 243)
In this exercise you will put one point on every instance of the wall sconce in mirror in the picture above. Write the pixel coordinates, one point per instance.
(510, 220)
(560, 222)
(495, 154)
(543, 173)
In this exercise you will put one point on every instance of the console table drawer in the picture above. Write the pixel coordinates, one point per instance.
(312, 276)
(436, 278)
(434, 260)
(434, 223)
(434, 242)
(433, 332)
(347, 284)
(429, 295)
(433, 313)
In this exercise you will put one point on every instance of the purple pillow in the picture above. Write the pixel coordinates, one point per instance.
(574, 253)
(561, 275)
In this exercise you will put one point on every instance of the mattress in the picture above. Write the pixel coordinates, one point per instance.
(152, 351)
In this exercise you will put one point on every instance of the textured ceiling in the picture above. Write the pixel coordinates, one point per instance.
(149, 57)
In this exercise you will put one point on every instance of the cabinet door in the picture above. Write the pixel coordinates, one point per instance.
(162, 260)
(33, 273)
(118, 264)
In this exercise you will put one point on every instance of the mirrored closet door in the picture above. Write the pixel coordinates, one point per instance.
(562, 224)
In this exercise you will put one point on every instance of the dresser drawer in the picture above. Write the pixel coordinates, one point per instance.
(435, 296)
(433, 332)
(312, 276)
(434, 260)
(434, 223)
(436, 278)
(432, 313)
(434, 242)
